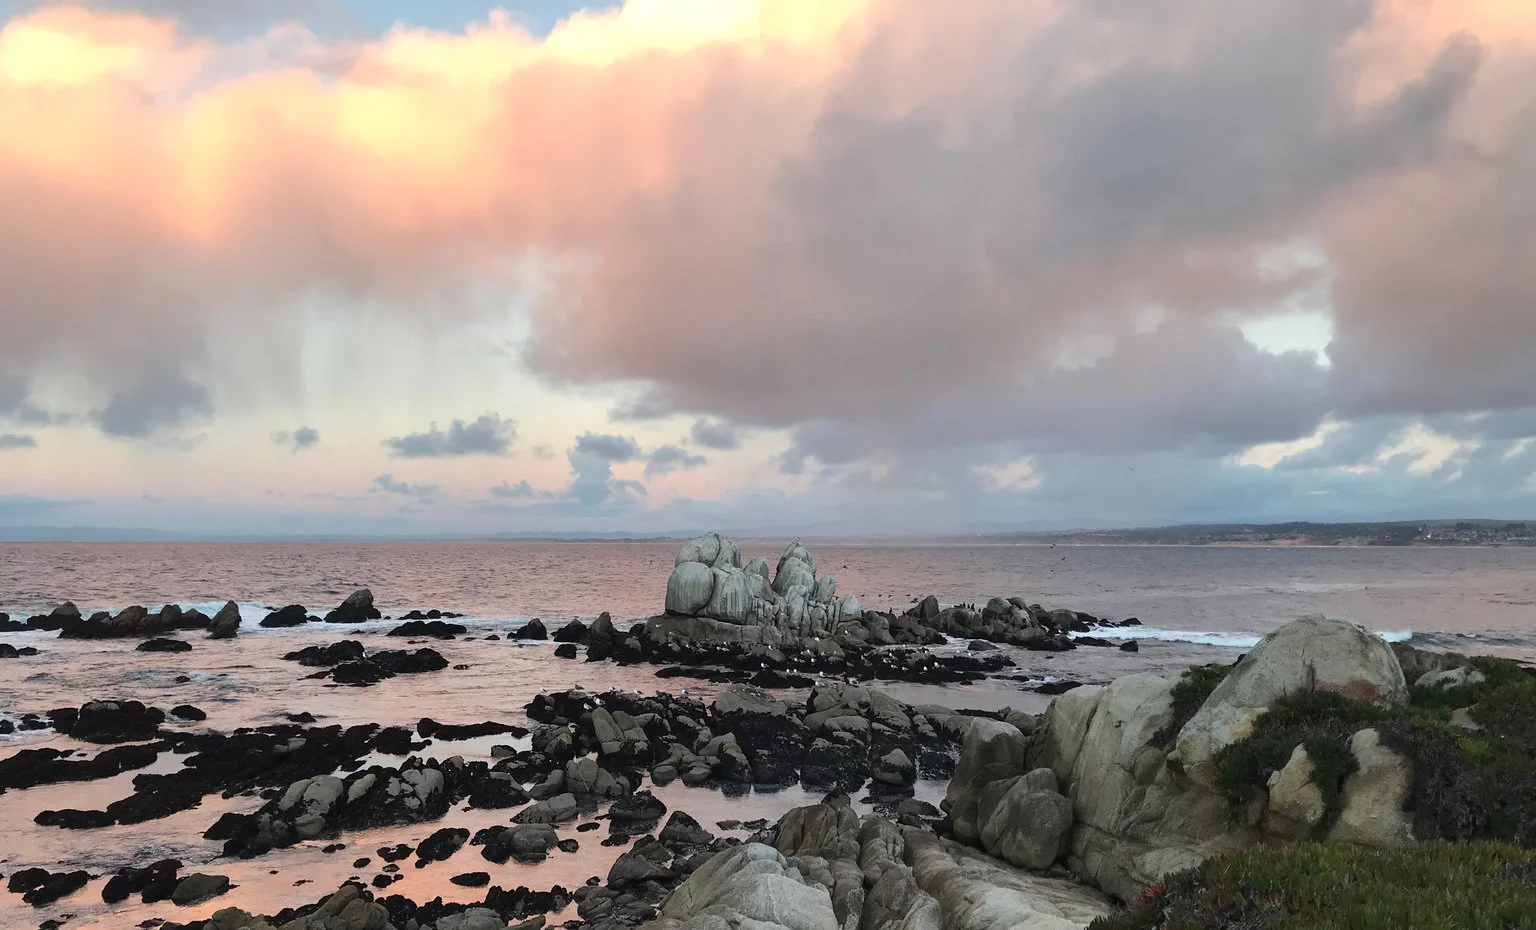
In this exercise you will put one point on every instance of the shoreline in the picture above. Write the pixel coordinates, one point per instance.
(433, 769)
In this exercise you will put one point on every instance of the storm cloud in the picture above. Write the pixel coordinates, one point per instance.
(893, 230)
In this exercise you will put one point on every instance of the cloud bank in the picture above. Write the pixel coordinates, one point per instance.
(885, 226)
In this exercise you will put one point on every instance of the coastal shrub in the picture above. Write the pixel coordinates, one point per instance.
(1322, 721)
(1472, 784)
(1337, 886)
(1189, 693)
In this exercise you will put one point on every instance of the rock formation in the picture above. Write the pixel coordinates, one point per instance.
(1143, 805)
(829, 869)
(710, 587)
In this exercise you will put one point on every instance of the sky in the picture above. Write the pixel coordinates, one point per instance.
(398, 267)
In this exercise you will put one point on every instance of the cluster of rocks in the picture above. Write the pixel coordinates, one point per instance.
(129, 622)
(40, 887)
(357, 608)
(7, 651)
(798, 664)
(161, 881)
(138, 621)
(638, 881)
(432, 629)
(245, 761)
(1015, 622)
(354, 907)
(841, 737)
(721, 614)
(825, 868)
(348, 663)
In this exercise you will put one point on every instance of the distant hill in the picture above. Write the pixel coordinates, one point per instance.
(1399, 533)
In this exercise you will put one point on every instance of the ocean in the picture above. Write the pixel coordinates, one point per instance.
(1196, 604)
(1227, 596)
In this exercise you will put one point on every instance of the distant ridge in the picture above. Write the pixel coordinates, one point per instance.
(1477, 531)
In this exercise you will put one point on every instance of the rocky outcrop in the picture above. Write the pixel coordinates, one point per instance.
(61, 616)
(709, 584)
(357, 608)
(129, 622)
(349, 664)
(838, 738)
(828, 869)
(226, 623)
(1310, 654)
(108, 721)
(752, 885)
(993, 752)
(350, 908)
(1142, 810)
(974, 892)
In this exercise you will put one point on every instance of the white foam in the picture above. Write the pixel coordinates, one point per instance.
(1226, 638)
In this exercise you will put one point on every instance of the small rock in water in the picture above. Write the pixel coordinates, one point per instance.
(472, 879)
(1130, 645)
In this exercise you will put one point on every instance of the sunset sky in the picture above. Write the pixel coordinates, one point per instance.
(432, 266)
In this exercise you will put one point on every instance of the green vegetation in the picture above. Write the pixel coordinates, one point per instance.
(1473, 784)
(1188, 694)
(1321, 721)
(1473, 802)
(1336, 886)
(1468, 784)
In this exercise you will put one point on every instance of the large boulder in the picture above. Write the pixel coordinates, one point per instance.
(825, 831)
(975, 892)
(1025, 820)
(751, 886)
(993, 751)
(731, 597)
(1313, 653)
(226, 623)
(690, 588)
(712, 550)
(357, 608)
(1374, 796)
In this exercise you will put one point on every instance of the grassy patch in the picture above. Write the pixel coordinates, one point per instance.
(1336, 886)
(1189, 693)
